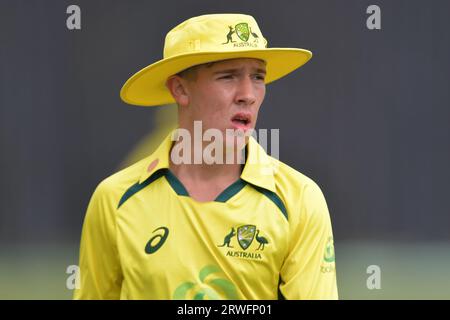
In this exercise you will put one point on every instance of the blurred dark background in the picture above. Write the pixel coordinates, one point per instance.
(367, 118)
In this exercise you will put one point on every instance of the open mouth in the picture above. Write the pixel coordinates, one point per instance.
(241, 119)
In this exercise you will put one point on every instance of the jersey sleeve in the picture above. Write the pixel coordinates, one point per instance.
(308, 271)
(99, 266)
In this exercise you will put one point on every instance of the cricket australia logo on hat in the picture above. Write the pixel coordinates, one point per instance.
(244, 33)
(242, 30)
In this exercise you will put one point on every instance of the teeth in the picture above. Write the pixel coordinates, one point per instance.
(243, 119)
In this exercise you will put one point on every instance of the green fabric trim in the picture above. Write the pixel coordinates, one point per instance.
(275, 199)
(135, 188)
(280, 295)
(180, 190)
(231, 190)
(176, 184)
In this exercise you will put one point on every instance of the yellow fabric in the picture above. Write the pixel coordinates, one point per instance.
(201, 257)
(206, 39)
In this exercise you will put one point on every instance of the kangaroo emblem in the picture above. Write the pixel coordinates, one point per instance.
(227, 239)
(230, 33)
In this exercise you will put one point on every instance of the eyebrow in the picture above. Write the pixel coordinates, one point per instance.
(258, 70)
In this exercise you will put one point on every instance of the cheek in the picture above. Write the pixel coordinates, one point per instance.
(261, 92)
(211, 106)
(217, 100)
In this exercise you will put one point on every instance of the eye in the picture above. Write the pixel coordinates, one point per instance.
(261, 77)
(228, 76)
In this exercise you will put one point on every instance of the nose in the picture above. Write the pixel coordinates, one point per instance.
(245, 94)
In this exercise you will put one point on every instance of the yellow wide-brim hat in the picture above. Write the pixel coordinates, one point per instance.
(204, 39)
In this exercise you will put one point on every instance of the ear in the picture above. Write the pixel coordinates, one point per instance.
(178, 88)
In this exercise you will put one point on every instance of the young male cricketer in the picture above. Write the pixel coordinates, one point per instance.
(161, 229)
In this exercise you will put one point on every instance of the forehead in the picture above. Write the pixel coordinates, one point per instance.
(239, 63)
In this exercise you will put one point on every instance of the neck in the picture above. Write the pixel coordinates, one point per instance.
(194, 158)
(204, 180)
(207, 172)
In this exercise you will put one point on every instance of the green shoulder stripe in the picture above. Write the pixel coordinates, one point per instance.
(274, 198)
(231, 191)
(176, 184)
(135, 188)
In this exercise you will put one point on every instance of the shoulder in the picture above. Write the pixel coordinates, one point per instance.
(300, 193)
(114, 186)
(288, 180)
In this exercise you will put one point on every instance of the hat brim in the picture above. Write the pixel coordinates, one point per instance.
(147, 86)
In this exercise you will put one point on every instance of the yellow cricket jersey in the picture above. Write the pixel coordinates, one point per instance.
(266, 236)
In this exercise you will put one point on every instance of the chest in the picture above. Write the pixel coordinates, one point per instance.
(168, 238)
